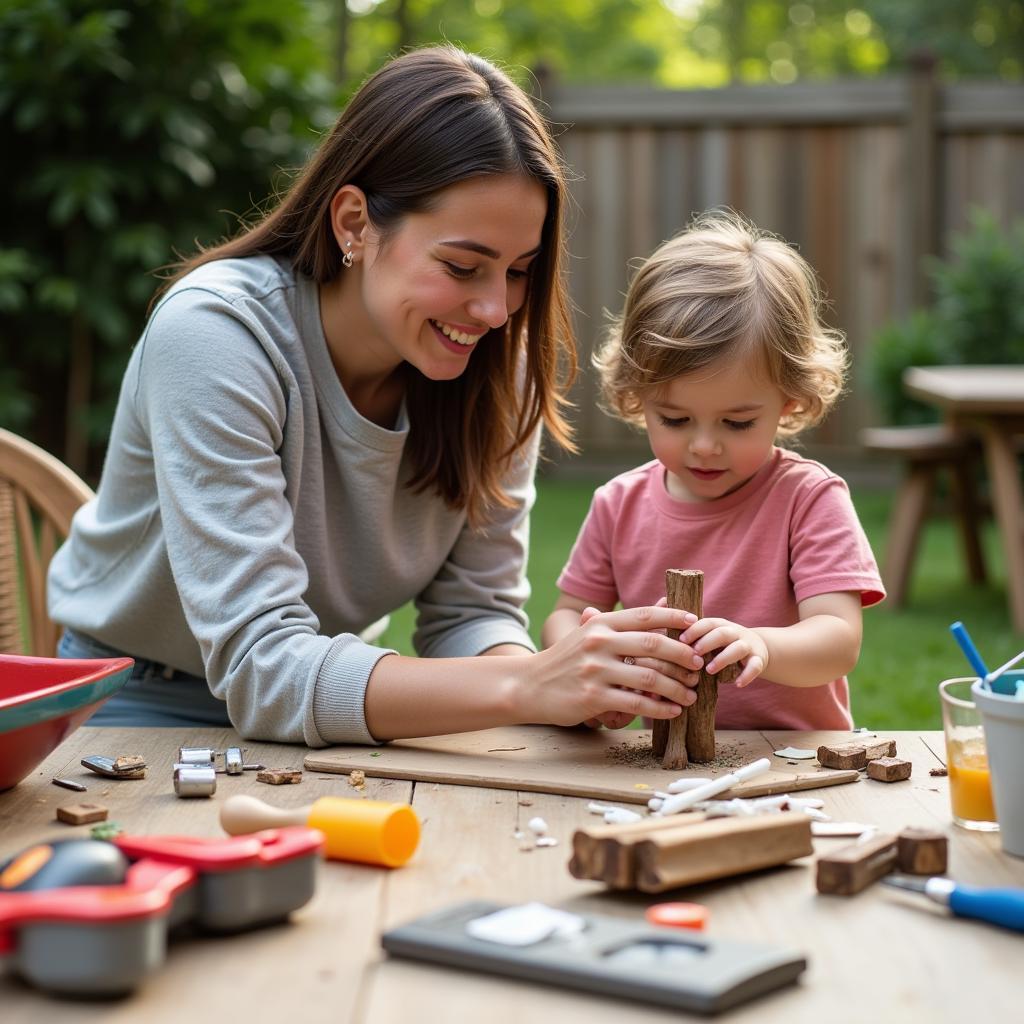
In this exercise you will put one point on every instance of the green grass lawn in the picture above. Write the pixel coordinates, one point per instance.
(906, 653)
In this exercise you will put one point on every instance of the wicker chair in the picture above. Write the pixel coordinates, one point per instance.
(38, 497)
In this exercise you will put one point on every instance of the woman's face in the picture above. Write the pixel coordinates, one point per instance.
(446, 276)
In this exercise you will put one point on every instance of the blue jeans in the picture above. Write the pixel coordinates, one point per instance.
(154, 693)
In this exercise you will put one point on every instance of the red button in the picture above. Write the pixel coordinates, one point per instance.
(678, 915)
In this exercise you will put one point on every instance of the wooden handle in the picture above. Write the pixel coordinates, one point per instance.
(242, 814)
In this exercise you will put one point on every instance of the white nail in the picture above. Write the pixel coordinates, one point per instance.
(682, 785)
(620, 816)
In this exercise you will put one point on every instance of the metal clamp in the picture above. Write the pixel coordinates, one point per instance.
(194, 780)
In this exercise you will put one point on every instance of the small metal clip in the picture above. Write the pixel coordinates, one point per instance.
(233, 762)
(194, 780)
(196, 755)
(106, 766)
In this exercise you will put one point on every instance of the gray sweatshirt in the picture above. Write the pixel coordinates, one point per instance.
(250, 522)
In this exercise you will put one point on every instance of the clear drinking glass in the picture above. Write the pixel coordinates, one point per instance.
(970, 787)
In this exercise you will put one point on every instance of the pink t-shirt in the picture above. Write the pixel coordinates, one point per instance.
(789, 533)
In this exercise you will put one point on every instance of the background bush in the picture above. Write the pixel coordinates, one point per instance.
(128, 134)
(977, 316)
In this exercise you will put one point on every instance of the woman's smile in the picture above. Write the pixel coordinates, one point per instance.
(456, 339)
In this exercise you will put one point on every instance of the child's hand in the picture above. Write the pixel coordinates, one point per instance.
(738, 644)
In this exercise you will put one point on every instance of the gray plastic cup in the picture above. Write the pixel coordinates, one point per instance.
(1003, 719)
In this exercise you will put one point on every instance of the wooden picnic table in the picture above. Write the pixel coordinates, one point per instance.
(880, 955)
(988, 400)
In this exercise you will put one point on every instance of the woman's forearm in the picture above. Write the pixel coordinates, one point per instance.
(434, 696)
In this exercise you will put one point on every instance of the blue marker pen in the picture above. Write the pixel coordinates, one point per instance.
(963, 638)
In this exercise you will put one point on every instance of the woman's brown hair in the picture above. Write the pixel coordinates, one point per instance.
(427, 120)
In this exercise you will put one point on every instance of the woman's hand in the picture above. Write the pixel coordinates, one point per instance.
(738, 644)
(612, 667)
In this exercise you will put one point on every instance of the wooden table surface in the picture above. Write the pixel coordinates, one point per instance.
(879, 956)
(988, 400)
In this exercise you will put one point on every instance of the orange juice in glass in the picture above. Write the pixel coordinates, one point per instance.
(970, 788)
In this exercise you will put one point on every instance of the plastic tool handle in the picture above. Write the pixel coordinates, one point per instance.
(999, 906)
(241, 814)
(963, 638)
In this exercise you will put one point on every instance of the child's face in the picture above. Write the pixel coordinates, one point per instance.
(713, 430)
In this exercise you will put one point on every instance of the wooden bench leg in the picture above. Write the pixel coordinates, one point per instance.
(1004, 475)
(908, 516)
(968, 519)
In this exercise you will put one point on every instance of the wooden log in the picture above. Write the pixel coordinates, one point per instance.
(690, 736)
(683, 589)
(720, 848)
(659, 728)
(81, 814)
(921, 851)
(889, 769)
(855, 867)
(854, 755)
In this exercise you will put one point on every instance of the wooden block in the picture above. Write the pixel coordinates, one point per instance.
(81, 814)
(279, 776)
(855, 755)
(856, 866)
(605, 852)
(720, 848)
(920, 851)
(889, 769)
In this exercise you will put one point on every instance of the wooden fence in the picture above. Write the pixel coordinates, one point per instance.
(867, 177)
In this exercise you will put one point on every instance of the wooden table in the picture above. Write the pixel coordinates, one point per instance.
(879, 956)
(988, 400)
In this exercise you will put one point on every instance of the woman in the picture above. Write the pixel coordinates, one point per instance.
(338, 411)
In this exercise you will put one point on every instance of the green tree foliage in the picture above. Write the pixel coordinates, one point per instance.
(691, 43)
(977, 316)
(127, 134)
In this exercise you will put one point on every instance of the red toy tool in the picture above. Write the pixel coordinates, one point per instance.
(87, 917)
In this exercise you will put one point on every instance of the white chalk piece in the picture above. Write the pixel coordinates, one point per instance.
(620, 816)
(796, 753)
(525, 925)
(683, 801)
(546, 841)
(538, 826)
(682, 785)
(840, 828)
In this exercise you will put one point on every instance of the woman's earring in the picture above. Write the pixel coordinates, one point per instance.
(347, 258)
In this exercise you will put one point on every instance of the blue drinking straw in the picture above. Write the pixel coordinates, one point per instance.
(963, 638)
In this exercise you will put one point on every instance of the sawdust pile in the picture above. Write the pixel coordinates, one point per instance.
(637, 753)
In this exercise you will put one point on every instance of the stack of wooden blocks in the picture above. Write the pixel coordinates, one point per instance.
(662, 853)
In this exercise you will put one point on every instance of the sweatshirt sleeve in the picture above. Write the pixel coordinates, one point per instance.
(476, 599)
(214, 403)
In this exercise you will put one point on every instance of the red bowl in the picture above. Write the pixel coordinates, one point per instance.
(44, 700)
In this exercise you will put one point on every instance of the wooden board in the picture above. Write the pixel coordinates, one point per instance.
(613, 765)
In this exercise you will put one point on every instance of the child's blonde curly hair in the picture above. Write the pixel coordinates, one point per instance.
(723, 289)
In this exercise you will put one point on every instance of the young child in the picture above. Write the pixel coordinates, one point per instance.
(720, 350)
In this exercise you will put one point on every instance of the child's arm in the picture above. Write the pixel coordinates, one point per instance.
(565, 617)
(822, 646)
